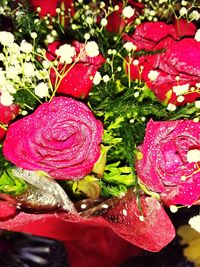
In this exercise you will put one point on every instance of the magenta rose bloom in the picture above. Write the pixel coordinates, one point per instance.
(172, 72)
(169, 164)
(61, 138)
(78, 80)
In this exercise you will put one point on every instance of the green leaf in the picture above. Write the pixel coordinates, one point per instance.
(101, 162)
(118, 175)
(108, 190)
(11, 185)
(89, 187)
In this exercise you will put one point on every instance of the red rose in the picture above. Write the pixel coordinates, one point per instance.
(7, 114)
(117, 22)
(142, 228)
(78, 79)
(61, 137)
(49, 7)
(174, 65)
(170, 161)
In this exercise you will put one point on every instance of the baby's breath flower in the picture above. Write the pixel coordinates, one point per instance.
(6, 38)
(26, 47)
(2, 77)
(33, 35)
(106, 78)
(116, 7)
(38, 9)
(153, 75)
(128, 12)
(102, 4)
(183, 11)
(135, 62)
(180, 89)
(196, 120)
(46, 64)
(171, 107)
(137, 21)
(9, 88)
(6, 98)
(66, 52)
(197, 104)
(24, 112)
(194, 222)
(12, 71)
(42, 90)
(104, 22)
(180, 98)
(129, 46)
(92, 49)
(194, 15)
(2, 57)
(49, 39)
(36, 21)
(97, 78)
(54, 33)
(173, 208)
(193, 155)
(184, 3)
(136, 94)
(86, 36)
(74, 26)
(41, 74)
(58, 10)
(89, 20)
(197, 35)
(29, 69)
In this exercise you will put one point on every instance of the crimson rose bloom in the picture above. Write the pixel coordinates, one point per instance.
(116, 21)
(61, 137)
(173, 71)
(7, 114)
(49, 7)
(170, 161)
(78, 79)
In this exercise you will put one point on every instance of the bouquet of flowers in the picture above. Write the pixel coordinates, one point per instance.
(99, 122)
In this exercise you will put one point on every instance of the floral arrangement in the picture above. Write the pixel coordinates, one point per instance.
(99, 118)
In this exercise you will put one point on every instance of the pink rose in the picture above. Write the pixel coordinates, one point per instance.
(173, 70)
(7, 114)
(122, 221)
(49, 7)
(169, 164)
(78, 80)
(116, 21)
(61, 137)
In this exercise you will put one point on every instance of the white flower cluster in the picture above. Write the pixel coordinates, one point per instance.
(20, 70)
(194, 222)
